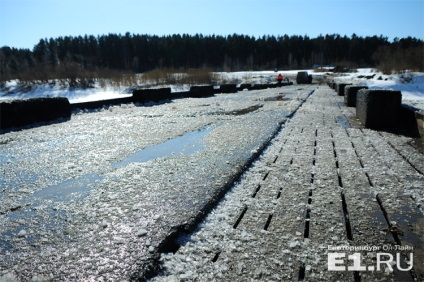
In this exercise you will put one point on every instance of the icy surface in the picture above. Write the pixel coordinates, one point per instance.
(69, 212)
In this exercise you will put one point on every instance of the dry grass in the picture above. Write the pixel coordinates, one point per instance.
(72, 75)
(392, 60)
(159, 77)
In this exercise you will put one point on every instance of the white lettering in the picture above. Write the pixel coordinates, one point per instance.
(333, 261)
(410, 262)
(387, 262)
(356, 258)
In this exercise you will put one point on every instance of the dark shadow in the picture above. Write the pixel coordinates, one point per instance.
(406, 125)
(33, 125)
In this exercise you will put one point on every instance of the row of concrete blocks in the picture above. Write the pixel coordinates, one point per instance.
(23, 112)
(163, 94)
(155, 95)
(381, 109)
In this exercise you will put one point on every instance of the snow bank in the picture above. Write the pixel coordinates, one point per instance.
(13, 90)
(411, 84)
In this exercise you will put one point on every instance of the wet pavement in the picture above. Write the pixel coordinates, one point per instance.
(322, 187)
(101, 196)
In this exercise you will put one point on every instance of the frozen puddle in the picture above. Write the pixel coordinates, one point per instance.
(79, 187)
(70, 189)
(343, 121)
(186, 144)
(73, 189)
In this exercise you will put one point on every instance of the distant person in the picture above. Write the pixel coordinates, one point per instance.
(279, 78)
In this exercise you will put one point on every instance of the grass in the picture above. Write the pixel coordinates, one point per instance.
(74, 77)
(189, 77)
(161, 77)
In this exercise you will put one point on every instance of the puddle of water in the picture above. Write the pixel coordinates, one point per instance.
(15, 182)
(410, 220)
(77, 188)
(69, 189)
(343, 121)
(4, 158)
(244, 111)
(4, 244)
(238, 112)
(186, 144)
(52, 219)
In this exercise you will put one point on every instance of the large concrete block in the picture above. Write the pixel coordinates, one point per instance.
(201, 91)
(419, 116)
(286, 83)
(247, 86)
(340, 88)
(350, 93)
(151, 95)
(273, 85)
(180, 95)
(259, 86)
(228, 88)
(378, 109)
(409, 123)
(28, 111)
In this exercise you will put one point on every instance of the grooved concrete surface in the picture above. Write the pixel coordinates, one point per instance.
(320, 184)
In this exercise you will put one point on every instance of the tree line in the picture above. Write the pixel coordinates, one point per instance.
(134, 53)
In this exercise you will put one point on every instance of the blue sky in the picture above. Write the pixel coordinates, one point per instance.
(24, 22)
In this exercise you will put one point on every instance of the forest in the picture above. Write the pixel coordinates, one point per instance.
(88, 55)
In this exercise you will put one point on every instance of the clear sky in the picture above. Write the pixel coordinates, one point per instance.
(24, 22)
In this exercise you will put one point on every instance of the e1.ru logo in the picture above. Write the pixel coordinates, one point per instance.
(336, 262)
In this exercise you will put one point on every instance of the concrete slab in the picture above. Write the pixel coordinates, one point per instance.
(339, 185)
(321, 186)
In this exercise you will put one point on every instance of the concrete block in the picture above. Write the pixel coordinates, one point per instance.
(419, 116)
(28, 111)
(341, 87)
(408, 123)
(259, 86)
(285, 83)
(273, 85)
(201, 91)
(228, 88)
(179, 95)
(243, 86)
(350, 93)
(151, 95)
(378, 109)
